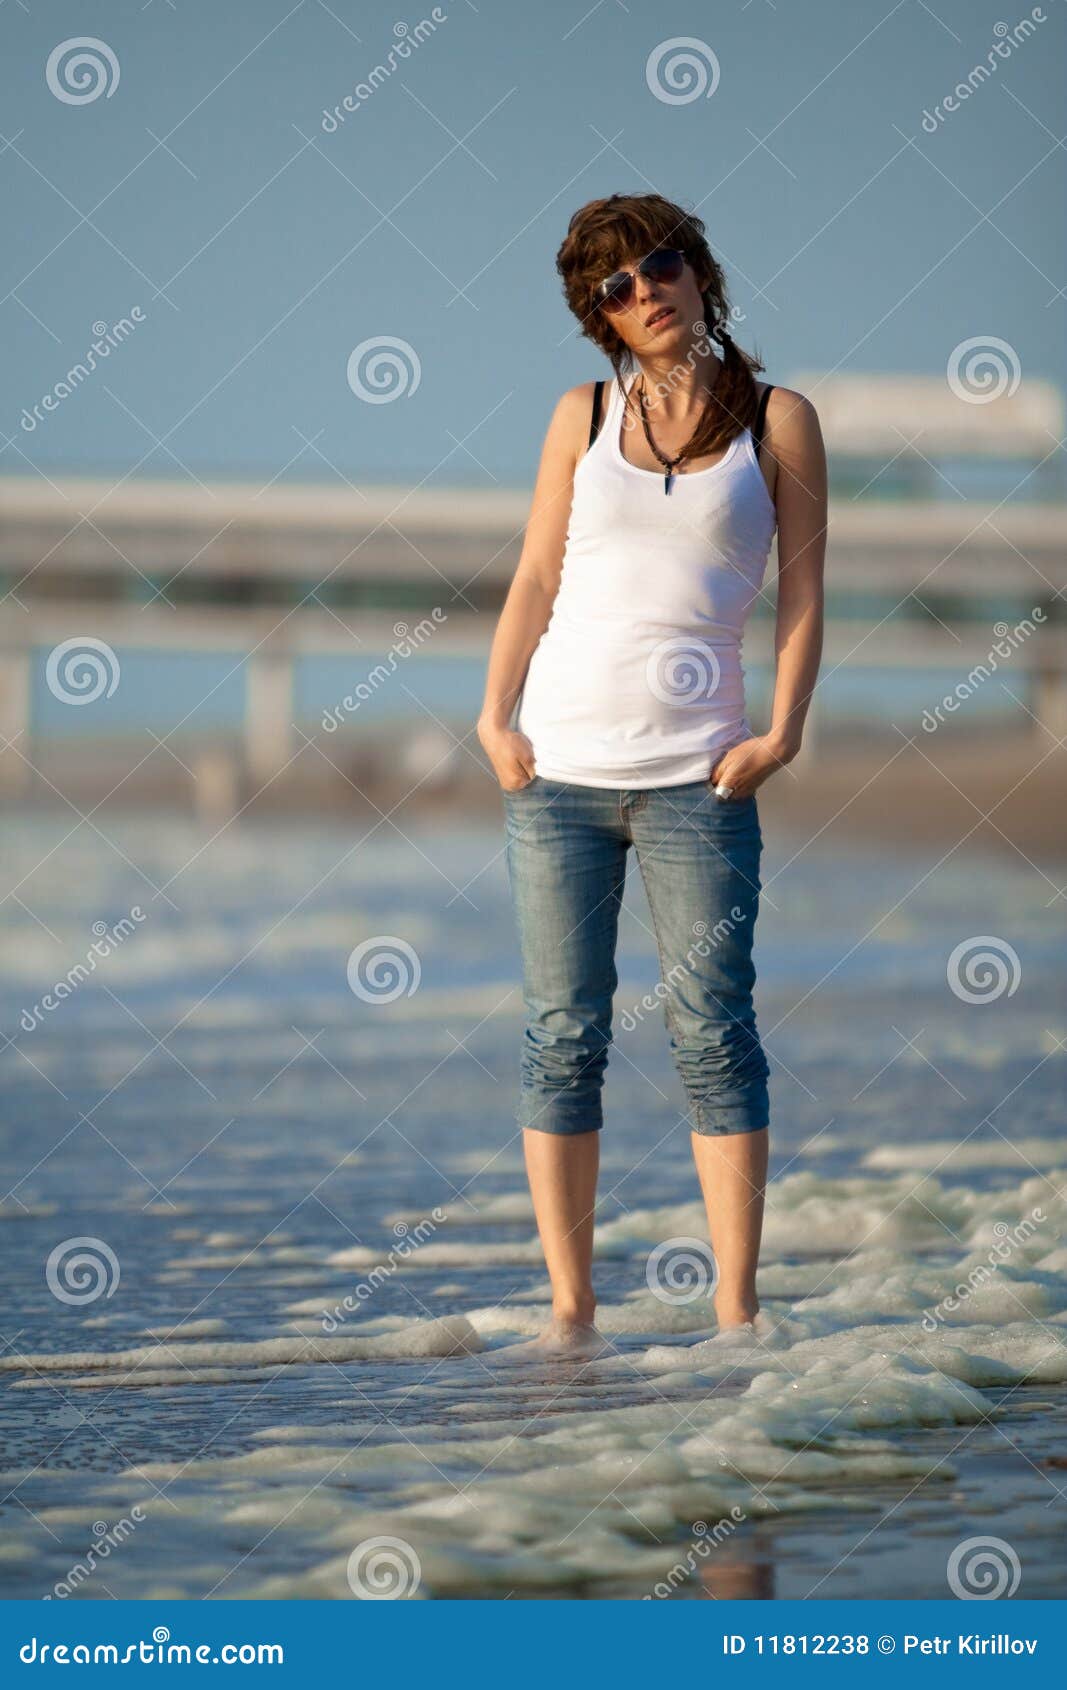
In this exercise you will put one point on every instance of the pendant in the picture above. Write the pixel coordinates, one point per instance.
(667, 480)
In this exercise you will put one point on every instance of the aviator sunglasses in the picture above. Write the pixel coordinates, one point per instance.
(617, 290)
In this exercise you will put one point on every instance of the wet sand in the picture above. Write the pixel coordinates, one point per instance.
(1005, 797)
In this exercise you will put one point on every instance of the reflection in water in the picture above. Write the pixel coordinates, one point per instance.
(734, 1574)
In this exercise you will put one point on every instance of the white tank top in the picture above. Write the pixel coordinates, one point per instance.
(637, 679)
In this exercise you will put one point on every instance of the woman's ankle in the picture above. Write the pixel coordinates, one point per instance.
(574, 1310)
(736, 1308)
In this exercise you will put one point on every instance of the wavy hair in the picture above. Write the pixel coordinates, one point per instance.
(604, 235)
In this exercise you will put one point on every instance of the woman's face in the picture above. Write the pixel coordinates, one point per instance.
(660, 316)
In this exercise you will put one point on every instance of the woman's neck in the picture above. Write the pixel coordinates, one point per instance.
(677, 387)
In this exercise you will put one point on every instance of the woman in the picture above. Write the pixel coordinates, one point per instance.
(614, 716)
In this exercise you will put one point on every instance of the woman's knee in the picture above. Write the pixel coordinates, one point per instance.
(562, 1076)
(724, 1071)
(564, 1048)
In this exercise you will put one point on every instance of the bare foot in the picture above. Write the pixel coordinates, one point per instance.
(562, 1340)
(746, 1333)
(572, 1338)
(743, 1336)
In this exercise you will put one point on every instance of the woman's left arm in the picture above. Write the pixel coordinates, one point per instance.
(794, 439)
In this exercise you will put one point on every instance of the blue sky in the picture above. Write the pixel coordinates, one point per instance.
(261, 249)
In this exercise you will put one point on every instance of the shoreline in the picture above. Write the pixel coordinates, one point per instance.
(999, 795)
(1003, 796)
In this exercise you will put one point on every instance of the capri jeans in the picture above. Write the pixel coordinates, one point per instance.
(699, 859)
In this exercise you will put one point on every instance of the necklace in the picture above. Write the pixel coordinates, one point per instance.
(669, 464)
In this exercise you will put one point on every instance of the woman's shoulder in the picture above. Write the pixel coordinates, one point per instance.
(577, 402)
(784, 402)
(791, 416)
(573, 415)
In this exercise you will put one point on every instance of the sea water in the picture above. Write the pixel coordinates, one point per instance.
(268, 1243)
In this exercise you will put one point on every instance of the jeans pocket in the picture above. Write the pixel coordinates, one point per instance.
(733, 817)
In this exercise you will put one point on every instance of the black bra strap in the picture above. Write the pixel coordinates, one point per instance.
(761, 418)
(594, 426)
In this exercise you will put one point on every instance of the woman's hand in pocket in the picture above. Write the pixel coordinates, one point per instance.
(510, 753)
(746, 766)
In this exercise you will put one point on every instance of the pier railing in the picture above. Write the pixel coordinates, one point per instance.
(266, 726)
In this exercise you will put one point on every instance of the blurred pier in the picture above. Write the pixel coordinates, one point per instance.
(234, 643)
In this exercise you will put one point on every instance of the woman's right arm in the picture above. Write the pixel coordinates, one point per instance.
(533, 590)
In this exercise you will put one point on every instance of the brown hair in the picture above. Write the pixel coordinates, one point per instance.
(607, 233)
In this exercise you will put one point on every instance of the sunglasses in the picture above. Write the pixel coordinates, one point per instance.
(616, 292)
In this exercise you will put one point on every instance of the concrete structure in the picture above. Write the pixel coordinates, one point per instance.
(282, 572)
(85, 539)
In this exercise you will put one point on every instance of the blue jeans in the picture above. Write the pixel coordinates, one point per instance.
(699, 859)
